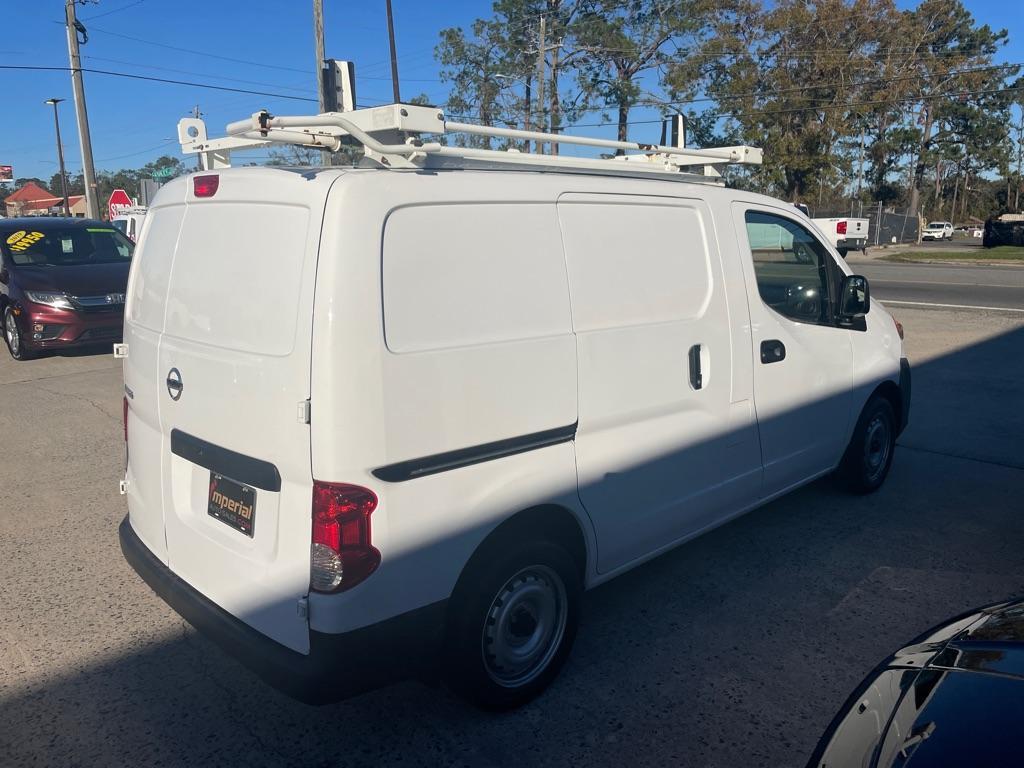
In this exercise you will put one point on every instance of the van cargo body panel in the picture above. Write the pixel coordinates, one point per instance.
(666, 444)
(145, 305)
(232, 368)
(453, 325)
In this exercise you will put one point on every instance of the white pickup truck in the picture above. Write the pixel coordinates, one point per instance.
(845, 233)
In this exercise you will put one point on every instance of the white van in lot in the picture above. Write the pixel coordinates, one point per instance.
(382, 423)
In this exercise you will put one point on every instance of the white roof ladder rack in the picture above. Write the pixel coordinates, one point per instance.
(391, 137)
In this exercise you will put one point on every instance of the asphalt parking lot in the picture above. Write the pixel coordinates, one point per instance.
(734, 650)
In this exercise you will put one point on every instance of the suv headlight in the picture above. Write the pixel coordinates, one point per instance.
(56, 300)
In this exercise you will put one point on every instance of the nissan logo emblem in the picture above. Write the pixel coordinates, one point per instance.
(174, 385)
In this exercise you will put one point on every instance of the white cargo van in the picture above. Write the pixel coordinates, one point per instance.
(383, 422)
(130, 222)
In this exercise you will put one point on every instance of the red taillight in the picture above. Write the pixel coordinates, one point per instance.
(343, 554)
(899, 328)
(205, 186)
(840, 227)
(125, 418)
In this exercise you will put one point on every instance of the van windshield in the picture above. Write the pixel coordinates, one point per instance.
(65, 246)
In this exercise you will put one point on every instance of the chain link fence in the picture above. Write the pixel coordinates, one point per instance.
(885, 227)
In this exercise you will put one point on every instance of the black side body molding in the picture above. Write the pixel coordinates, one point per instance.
(245, 469)
(464, 457)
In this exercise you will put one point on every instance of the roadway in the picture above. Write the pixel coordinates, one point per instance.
(733, 650)
(944, 285)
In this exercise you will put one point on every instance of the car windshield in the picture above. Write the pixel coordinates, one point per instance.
(61, 246)
(937, 225)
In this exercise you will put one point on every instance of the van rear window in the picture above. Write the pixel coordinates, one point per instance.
(236, 276)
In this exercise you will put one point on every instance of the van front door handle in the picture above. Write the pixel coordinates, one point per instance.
(772, 351)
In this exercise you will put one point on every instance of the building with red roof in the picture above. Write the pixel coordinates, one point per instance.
(33, 200)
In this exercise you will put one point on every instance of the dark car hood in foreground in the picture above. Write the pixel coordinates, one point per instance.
(955, 697)
(83, 280)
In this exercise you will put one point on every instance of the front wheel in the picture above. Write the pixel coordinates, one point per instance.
(867, 460)
(13, 337)
(512, 622)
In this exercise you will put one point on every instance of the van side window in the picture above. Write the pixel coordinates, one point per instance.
(792, 268)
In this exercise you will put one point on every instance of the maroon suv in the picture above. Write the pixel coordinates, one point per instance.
(62, 283)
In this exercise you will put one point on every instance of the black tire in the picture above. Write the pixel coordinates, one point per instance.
(867, 460)
(15, 344)
(498, 590)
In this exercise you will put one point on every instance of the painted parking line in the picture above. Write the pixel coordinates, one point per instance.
(948, 306)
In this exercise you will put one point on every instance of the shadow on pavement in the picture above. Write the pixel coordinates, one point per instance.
(735, 649)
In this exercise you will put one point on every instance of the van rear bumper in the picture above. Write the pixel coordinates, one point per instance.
(338, 666)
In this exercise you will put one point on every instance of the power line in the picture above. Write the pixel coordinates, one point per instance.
(140, 152)
(808, 108)
(818, 86)
(115, 10)
(846, 105)
(197, 53)
(159, 80)
(190, 72)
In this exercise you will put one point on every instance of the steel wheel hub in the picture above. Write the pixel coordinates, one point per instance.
(877, 445)
(524, 626)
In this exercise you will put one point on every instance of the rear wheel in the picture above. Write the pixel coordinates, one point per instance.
(13, 337)
(512, 622)
(867, 460)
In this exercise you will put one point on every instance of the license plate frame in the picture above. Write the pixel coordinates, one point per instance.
(233, 503)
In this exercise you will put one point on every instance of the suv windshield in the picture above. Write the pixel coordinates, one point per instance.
(937, 225)
(65, 246)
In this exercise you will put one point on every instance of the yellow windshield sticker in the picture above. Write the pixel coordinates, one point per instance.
(16, 237)
(100, 229)
(24, 240)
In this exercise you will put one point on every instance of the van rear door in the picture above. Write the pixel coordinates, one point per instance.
(234, 379)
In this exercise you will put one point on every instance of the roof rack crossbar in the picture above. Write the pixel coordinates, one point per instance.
(728, 154)
(390, 136)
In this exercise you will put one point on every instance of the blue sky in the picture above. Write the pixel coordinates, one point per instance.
(133, 121)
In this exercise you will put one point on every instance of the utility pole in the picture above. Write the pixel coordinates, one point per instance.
(318, 36)
(1020, 157)
(555, 117)
(60, 155)
(394, 55)
(74, 26)
(860, 173)
(541, 77)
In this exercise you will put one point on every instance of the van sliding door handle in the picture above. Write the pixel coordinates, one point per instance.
(696, 377)
(772, 351)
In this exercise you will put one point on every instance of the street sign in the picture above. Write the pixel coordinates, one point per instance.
(119, 203)
(163, 173)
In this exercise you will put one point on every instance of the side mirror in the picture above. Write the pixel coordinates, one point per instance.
(854, 299)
